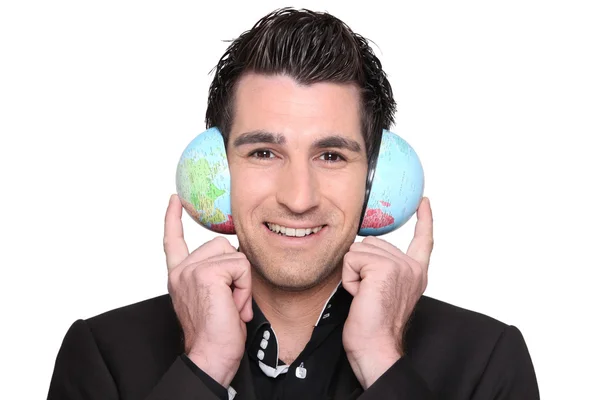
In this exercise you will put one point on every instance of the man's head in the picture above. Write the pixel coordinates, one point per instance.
(301, 101)
(309, 47)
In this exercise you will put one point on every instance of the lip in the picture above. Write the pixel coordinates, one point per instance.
(294, 239)
(294, 226)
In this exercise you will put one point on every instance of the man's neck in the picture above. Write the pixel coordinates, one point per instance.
(293, 315)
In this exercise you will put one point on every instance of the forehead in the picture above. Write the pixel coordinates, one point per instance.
(280, 104)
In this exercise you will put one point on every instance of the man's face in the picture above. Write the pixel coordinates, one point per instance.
(298, 170)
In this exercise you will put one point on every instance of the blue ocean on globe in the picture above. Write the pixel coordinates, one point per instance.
(397, 187)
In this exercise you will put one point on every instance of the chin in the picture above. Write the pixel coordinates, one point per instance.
(293, 277)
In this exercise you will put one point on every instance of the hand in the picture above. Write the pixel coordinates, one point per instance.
(386, 285)
(211, 293)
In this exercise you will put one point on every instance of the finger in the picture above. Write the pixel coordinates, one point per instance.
(370, 248)
(225, 256)
(214, 248)
(399, 259)
(189, 269)
(372, 241)
(187, 272)
(174, 245)
(350, 279)
(378, 246)
(247, 313)
(237, 275)
(356, 265)
(421, 246)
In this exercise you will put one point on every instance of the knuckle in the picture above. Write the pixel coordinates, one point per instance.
(417, 272)
(348, 256)
(240, 263)
(187, 273)
(406, 268)
(166, 243)
(244, 262)
(370, 240)
(355, 246)
(175, 278)
(171, 281)
(222, 242)
(205, 275)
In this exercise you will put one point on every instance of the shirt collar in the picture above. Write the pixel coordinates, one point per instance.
(261, 342)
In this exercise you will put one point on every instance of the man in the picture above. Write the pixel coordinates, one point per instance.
(299, 310)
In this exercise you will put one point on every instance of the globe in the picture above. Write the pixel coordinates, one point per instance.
(203, 182)
(397, 187)
(203, 185)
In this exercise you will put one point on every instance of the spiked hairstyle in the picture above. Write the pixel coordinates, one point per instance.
(309, 47)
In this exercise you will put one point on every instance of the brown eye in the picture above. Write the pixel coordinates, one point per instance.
(331, 157)
(262, 154)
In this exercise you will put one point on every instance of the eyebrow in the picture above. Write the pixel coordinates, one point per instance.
(258, 137)
(338, 142)
(332, 141)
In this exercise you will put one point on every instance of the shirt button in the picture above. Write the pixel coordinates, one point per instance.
(301, 371)
(264, 343)
(260, 355)
(266, 335)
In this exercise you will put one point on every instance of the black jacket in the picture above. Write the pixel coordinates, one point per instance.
(135, 352)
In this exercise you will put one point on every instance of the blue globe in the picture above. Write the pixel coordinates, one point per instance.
(397, 188)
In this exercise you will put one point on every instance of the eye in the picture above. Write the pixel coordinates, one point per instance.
(262, 154)
(331, 157)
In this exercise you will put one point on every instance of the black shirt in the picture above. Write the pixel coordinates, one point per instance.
(314, 373)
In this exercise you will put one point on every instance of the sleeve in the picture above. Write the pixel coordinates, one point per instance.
(80, 373)
(210, 383)
(181, 383)
(509, 373)
(400, 381)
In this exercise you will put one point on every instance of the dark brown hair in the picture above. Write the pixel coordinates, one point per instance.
(310, 47)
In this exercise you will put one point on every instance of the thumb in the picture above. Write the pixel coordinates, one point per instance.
(421, 246)
(174, 245)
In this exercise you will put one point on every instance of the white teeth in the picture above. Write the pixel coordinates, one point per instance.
(299, 232)
(302, 232)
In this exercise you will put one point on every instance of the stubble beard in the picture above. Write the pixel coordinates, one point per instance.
(292, 271)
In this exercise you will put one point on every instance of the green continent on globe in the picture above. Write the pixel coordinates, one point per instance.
(203, 192)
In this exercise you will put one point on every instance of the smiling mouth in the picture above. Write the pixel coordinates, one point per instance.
(292, 232)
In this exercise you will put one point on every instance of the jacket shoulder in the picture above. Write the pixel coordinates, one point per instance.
(154, 317)
(451, 346)
(432, 313)
(138, 333)
(159, 307)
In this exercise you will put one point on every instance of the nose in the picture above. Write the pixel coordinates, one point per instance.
(298, 187)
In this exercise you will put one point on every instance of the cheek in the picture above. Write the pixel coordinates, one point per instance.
(249, 186)
(346, 191)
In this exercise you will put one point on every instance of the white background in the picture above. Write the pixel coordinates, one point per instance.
(500, 100)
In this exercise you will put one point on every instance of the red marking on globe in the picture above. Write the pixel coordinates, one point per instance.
(375, 219)
(384, 203)
(225, 228)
